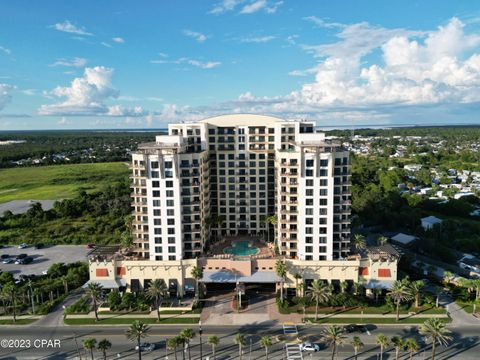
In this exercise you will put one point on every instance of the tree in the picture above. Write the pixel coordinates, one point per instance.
(155, 293)
(416, 288)
(447, 277)
(94, 292)
(137, 331)
(114, 299)
(89, 344)
(197, 274)
(334, 337)
(400, 292)
(266, 342)
(382, 240)
(436, 330)
(359, 242)
(213, 341)
(398, 344)
(187, 335)
(281, 270)
(412, 346)
(173, 343)
(472, 285)
(11, 292)
(240, 341)
(320, 292)
(383, 341)
(270, 220)
(357, 344)
(297, 276)
(343, 286)
(103, 346)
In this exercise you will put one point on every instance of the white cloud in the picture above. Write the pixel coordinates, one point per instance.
(257, 39)
(225, 6)
(192, 62)
(253, 7)
(118, 110)
(321, 23)
(68, 27)
(118, 40)
(106, 44)
(195, 35)
(85, 95)
(74, 62)
(5, 95)
(5, 50)
(29, 92)
(64, 121)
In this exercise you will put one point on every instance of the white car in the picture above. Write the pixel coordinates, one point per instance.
(145, 347)
(45, 272)
(22, 246)
(308, 346)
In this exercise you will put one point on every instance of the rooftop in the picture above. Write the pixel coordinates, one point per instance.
(242, 120)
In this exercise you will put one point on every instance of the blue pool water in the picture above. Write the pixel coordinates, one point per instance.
(241, 248)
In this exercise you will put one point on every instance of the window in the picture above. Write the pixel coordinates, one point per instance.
(309, 211)
(323, 182)
(171, 249)
(157, 222)
(309, 182)
(156, 203)
(170, 203)
(169, 193)
(158, 249)
(309, 192)
(169, 184)
(322, 249)
(309, 162)
(323, 162)
(323, 202)
(156, 193)
(309, 202)
(154, 164)
(171, 231)
(323, 192)
(170, 221)
(155, 184)
(154, 174)
(156, 212)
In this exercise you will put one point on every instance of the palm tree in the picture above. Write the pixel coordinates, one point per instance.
(173, 343)
(89, 344)
(343, 286)
(383, 341)
(197, 274)
(377, 292)
(213, 341)
(412, 346)
(266, 342)
(447, 277)
(357, 345)
(472, 285)
(270, 220)
(320, 292)
(334, 336)
(94, 292)
(398, 344)
(10, 291)
(416, 288)
(187, 335)
(359, 242)
(382, 240)
(297, 276)
(137, 331)
(155, 293)
(436, 330)
(103, 346)
(241, 341)
(399, 292)
(281, 270)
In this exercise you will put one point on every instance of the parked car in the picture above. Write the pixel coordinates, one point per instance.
(24, 261)
(39, 246)
(90, 246)
(45, 272)
(8, 261)
(308, 346)
(21, 256)
(23, 246)
(4, 256)
(145, 347)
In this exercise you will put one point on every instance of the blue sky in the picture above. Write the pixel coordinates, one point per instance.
(125, 64)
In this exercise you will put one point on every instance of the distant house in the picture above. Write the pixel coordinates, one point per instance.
(412, 167)
(462, 194)
(403, 239)
(429, 221)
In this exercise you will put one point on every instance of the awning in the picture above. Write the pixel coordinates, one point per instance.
(379, 284)
(230, 277)
(107, 283)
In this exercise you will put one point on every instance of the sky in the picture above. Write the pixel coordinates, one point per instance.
(143, 64)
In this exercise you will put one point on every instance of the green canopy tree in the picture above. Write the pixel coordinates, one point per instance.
(89, 344)
(213, 341)
(266, 342)
(137, 331)
(334, 337)
(94, 292)
(103, 346)
(156, 292)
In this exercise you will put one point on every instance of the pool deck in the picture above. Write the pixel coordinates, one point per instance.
(265, 251)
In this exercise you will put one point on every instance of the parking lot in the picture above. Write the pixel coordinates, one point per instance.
(42, 258)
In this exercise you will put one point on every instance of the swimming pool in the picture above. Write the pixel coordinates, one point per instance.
(241, 248)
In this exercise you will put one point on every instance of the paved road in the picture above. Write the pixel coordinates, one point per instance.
(465, 345)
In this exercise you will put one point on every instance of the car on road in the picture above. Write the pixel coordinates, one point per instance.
(39, 246)
(90, 246)
(45, 272)
(23, 246)
(308, 346)
(355, 328)
(145, 347)
(8, 261)
(21, 256)
(4, 256)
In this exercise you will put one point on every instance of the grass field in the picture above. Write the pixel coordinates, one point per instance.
(57, 181)
(18, 322)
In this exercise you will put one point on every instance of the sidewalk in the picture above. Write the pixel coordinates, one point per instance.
(153, 314)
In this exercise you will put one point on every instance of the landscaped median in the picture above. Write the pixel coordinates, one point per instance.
(122, 318)
(375, 319)
(21, 320)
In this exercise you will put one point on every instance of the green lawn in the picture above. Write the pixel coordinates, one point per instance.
(371, 320)
(57, 181)
(18, 322)
(467, 306)
(128, 321)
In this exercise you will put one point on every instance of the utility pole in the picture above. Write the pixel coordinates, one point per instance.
(76, 345)
(31, 295)
(200, 335)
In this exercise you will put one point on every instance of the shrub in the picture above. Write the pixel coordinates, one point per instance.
(114, 299)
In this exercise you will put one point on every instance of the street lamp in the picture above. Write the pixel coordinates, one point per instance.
(200, 335)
